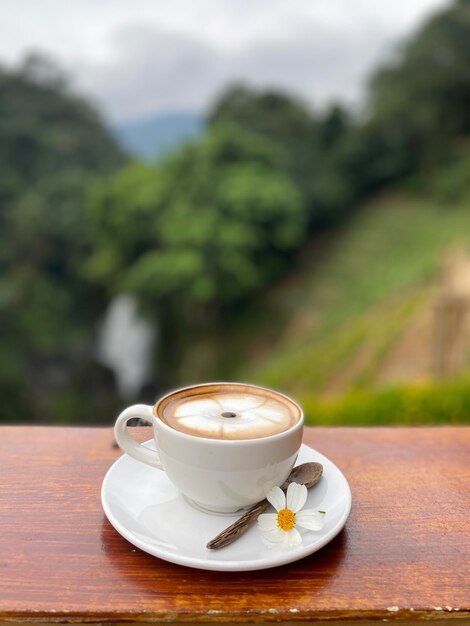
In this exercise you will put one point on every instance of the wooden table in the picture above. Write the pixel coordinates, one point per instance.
(403, 556)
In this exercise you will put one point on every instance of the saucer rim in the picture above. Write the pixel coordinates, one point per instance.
(229, 565)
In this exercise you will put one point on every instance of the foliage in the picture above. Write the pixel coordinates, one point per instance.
(45, 130)
(207, 227)
(308, 143)
(199, 234)
(418, 105)
(277, 117)
(451, 182)
(52, 145)
(421, 99)
(411, 405)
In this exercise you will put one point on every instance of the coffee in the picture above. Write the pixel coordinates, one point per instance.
(229, 411)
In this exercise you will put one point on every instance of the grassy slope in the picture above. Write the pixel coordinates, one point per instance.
(349, 300)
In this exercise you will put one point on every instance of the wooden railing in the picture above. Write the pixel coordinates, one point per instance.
(403, 555)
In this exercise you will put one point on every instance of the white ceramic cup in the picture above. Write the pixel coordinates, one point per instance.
(217, 475)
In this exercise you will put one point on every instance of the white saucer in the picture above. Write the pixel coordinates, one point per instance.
(147, 510)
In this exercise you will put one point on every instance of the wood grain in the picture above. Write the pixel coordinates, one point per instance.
(403, 555)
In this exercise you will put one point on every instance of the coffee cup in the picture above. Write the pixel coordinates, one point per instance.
(223, 445)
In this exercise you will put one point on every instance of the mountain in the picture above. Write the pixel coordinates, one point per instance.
(151, 137)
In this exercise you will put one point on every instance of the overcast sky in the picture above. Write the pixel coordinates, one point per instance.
(138, 57)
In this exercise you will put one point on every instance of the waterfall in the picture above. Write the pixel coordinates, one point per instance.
(125, 344)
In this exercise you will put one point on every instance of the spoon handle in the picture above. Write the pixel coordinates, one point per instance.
(307, 474)
(238, 527)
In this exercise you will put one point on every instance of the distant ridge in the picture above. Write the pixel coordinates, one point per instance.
(151, 137)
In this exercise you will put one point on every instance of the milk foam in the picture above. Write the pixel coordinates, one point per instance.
(254, 416)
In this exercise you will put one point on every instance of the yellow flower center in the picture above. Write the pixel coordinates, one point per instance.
(286, 519)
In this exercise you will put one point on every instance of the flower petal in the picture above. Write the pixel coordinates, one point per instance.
(310, 519)
(296, 496)
(275, 535)
(276, 497)
(292, 538)
(267, 521)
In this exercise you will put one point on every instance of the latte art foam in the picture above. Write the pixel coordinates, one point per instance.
(231, 415)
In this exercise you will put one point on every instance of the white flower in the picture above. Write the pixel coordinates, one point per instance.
(281, 526)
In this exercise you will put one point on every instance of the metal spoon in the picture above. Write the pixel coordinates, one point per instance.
(307, 474)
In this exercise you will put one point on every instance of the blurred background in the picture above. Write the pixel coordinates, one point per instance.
(271, 192)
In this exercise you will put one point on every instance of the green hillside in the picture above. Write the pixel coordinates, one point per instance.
(337, 320)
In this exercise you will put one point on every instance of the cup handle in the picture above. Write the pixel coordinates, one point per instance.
(129, 445)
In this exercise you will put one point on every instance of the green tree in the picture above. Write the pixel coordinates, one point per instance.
(196, 236)
(284, 121)
(52, 145)
(420, 102)
(308, 141)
